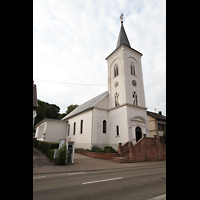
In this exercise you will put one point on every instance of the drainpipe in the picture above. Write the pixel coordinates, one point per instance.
(66, 130)
(92, 129)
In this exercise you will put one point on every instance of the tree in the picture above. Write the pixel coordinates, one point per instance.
(164, 135)
(61, 115)
(71, 108)
(46, 110)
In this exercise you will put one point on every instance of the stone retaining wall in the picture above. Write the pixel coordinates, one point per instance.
(105, 156)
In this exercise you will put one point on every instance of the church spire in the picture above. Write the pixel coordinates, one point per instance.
(122, 39)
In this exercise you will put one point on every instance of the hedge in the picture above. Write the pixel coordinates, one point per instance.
(47, 148)
(109, 149)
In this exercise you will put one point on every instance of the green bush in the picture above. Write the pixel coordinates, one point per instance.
(109, 149)
(81, 149)
(61, 160)
(47, 148)
(51, 153)
(96, 149)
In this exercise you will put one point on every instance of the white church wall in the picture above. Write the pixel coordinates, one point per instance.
(118, 117)
(83, 140)
(136, 117)
(101, 138)
(103, 104)
(135, 58)
(116, 60)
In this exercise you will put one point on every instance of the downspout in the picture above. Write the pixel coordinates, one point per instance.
(128, 128)
(66, 130)
(92, 128)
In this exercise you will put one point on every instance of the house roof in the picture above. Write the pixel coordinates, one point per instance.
(35, 102)
(122, 38)
(86, 106)
(47, 119)
(156, 115)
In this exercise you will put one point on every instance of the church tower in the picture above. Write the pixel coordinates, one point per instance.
(126, 89)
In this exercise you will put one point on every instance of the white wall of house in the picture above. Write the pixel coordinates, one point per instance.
(40, 130)
(152, 126)
(51, 130)
(34, 116)
(55, 130)
(83, 140)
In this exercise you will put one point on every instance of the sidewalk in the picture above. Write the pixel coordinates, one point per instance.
(83, 163)
(40, 160)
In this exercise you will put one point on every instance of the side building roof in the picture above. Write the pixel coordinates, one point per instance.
(45, 120)
(85, 106)
(156, 115)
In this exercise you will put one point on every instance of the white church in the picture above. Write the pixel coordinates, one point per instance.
(117, 115)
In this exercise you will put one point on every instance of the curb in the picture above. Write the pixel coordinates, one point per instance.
(58, 172)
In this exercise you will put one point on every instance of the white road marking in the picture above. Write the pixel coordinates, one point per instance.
(76, 173)
(103, 180)
(160, 197)
(39, 177)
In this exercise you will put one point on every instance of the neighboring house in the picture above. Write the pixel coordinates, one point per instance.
(119, 114)
(35, 102)
(50, 130)
(156, 124)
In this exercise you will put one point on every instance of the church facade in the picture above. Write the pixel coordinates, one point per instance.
(119, 114)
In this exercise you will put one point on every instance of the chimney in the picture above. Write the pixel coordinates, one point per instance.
(160, 112)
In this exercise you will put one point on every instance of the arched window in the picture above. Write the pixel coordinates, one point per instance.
(68, 128)
(135, 100)
(74, 128)
(116, 99)
(115, 70)
(104, 126)
(81, 131)
(132, 69)
(138, 133)
(117, 130)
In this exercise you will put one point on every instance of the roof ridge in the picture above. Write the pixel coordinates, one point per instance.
(85, 106)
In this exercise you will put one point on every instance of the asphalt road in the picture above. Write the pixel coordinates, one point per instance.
(130, 183)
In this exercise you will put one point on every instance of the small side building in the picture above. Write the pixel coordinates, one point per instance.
(51, 130)
(156, 124)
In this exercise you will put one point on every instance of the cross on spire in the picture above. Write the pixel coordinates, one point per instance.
(122, 38)
(121, 17)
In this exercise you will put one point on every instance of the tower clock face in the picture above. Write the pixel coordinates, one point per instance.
(134, 83)
(116, 84)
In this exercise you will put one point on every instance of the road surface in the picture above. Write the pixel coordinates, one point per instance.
(130, 183)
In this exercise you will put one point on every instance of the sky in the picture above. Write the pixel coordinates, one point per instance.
(71, 40)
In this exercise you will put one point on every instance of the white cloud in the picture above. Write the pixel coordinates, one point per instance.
(71, 40)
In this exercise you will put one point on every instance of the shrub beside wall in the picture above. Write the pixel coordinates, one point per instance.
(97, 152)
(47, 148)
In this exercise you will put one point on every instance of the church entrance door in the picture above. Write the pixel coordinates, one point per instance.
(138, 133)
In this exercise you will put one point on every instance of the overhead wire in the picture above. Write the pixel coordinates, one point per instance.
(68, 83)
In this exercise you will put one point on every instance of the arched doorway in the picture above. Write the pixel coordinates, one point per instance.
(138, 133)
